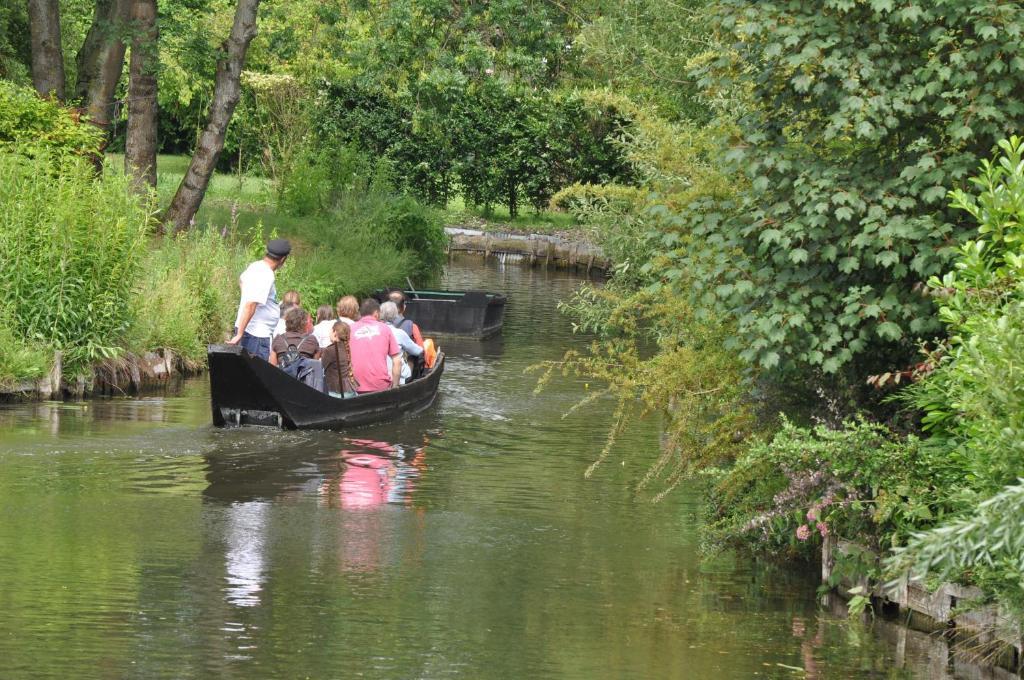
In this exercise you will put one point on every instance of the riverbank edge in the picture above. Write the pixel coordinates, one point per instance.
(984, 635)
(128, 374)
(572, 251)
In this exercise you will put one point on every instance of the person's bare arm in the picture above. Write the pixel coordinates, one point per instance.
(273, 358)
(248, 309)
(396, 369)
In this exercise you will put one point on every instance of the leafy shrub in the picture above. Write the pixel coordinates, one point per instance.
(859, 481)
(269, 124)
(849, 152)
(318, 177)
(71, 246)
(586, 198)
(348, 259)
(357, 215)
(30, 125)
(973, 400)
(417, 229)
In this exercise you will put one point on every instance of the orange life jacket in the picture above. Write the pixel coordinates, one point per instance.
(429, 352)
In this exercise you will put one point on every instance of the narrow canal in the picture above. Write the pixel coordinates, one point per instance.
(137, 541)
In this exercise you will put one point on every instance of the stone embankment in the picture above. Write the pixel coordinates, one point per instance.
(545, 250)
(130, 374)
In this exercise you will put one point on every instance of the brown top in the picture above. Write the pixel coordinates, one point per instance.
(337, 368)
(306, 344)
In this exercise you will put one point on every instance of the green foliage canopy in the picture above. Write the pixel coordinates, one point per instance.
(495, 141)
(866, 113)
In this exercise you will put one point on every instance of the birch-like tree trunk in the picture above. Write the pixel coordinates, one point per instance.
(100, 61)
(47, 58)
(226, 92)
(140, 140)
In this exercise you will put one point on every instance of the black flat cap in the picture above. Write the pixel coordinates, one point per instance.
(278, 248)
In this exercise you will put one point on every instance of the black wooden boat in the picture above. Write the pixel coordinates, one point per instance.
(464, 313)
(246, 390)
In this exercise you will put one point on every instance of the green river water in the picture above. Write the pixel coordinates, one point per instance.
(137, 541)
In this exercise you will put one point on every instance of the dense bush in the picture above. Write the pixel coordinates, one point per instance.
(858, 481)
(951, 503)
(321, 176)
(343, 253)
(356, 215)
(496, 142)
(71, 245)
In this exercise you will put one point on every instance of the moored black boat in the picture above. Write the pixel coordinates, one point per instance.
(245, 390)
(464, 313)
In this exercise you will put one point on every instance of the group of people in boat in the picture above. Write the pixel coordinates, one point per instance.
(351, 349)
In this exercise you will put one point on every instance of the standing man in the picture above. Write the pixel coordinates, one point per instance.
(258, 311)
(371, 343)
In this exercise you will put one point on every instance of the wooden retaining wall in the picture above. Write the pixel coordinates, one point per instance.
(534, 249)
(980, 632)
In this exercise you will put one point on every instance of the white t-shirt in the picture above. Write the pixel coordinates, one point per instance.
(257, 283)
(408, 346)
(322, 331)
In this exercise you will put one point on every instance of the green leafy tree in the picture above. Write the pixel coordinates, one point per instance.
(866, 113)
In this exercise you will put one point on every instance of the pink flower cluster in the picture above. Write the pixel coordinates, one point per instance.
(803, 532)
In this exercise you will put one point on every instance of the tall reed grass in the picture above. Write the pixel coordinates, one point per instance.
(71, 247)
(187, 293)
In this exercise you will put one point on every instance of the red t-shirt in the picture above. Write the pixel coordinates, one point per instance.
(372, 342)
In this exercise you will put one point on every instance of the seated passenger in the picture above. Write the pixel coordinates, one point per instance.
(324, 323)
(407, 325)
(372, 342)
(348, 309)
(280, 329)
(289, 299)
(388, 314)
(337, 362)
(294, 342)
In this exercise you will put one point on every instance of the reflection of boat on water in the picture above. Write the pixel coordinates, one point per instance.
(245, 390)
(370, 474)
(303, 471)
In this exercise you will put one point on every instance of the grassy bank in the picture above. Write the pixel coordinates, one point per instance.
(337, 251)
(458, 214)
(86, 275)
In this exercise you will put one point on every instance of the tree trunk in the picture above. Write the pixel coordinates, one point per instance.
(47, 58)
(101, 61)
(140, 142)
(227, 89)
(513, 202)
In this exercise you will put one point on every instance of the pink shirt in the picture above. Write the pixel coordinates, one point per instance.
(372, 343)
